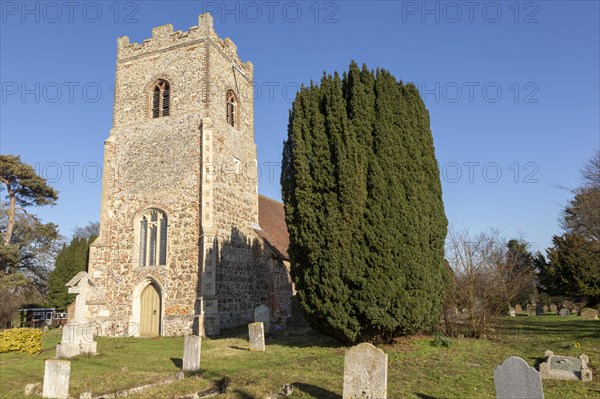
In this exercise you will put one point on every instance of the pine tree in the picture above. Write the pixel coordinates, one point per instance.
(363, 204)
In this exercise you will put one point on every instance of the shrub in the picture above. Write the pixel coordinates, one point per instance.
(28, 340)
(440, 341)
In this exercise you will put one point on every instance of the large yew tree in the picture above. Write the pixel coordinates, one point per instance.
(363, 205)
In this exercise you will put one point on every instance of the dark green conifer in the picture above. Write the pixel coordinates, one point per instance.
(363, 204)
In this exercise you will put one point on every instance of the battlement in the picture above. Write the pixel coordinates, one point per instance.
(164, 38)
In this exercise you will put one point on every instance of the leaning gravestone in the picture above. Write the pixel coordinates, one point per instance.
(262, 314)
(256, 335)
(566, 367)
(589, 314)
(365, 373)
(77, 335)
(56, 379)
(564, 312)
(191, 353)
(518, 308)
(514, 379)
(531, 310)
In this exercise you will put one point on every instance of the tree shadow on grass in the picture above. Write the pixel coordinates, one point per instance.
(315, 391)
(423, 396)
(177, 362)
(292, 337)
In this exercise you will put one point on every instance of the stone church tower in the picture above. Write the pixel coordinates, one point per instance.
(181, 249)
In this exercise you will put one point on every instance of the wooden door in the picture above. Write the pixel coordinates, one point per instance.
(150, 312)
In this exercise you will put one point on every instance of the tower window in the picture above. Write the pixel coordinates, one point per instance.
(232, 108)
(153, 238)
(161, 98)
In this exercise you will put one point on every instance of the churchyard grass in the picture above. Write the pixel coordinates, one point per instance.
(314, 364)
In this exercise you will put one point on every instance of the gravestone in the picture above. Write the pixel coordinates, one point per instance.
(518, 308)
(531, 310)
(514, 379)
(589, 314)
(566, 367)
(56, 379)
(365, 373)
(77, 335)
(564, 312)
(539, 309)
(553, 308)
(262, 314)
(191, 353)
(546, 309)
(511, 312)
(256, 335)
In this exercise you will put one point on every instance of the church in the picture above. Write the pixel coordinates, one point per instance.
(186, 245)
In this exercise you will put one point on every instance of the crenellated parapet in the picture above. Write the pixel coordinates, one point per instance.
(163, 38)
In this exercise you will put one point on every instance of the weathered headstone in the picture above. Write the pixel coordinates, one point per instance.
(546, 309)
(77, 334)
(531, 310)
(518, 308)
(514, 379)
(566, 367)
(256, 335)
(365, 373)
(192, 345)
(511, 312)
(564, 312)
(553, 308)
(539, 309)
(262, 314)
(56, 379)
(589, 314)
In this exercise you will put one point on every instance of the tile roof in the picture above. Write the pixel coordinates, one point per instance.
(273, 229)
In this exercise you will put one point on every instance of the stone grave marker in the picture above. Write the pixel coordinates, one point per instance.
(589, 314)
(192, 345)
(262, 314)
(77, 335)
(256, 335)
(531, 310)
(511, 312)
(514, 379)
(566, 367)
(546, 309)
(56, 379)
(564, 312)
(518, 308)
(539, 309)
(553, 308)
(365, 372)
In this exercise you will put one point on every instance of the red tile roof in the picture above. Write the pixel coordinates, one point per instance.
(273, 229)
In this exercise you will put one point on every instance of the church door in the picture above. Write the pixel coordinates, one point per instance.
(150, 312)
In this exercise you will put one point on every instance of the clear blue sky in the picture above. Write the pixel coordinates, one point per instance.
(511, 87)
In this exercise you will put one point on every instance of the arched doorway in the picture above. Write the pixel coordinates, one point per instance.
(150, 311)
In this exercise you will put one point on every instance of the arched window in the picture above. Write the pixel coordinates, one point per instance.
(153, 238)
(161, 98)
(231, 108)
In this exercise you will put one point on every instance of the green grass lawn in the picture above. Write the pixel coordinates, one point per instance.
(314, 363)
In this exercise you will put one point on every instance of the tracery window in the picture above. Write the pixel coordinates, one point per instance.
(153, 238)
(161, 98)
